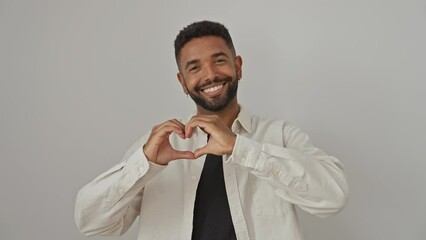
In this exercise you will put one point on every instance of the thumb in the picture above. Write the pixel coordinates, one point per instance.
(201, 151)
(183, 155)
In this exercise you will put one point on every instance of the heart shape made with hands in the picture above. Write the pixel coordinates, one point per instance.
(192, 143)
(159, 150)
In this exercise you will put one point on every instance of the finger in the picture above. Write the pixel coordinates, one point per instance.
(181, 126)
(189, 127)
(178, 123)
(189, 130)
(165, 131)
(172, 122)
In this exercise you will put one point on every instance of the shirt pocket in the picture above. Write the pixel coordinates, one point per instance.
(264, 201)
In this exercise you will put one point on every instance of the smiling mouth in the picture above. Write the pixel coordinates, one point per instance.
(213, 89)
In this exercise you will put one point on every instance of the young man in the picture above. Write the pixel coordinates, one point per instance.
(220, 174)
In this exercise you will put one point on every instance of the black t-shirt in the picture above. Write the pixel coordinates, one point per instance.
(212, 217)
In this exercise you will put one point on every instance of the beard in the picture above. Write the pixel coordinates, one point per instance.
(216, 103)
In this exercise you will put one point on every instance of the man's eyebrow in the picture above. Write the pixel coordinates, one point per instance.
(219, 54)
(189, 63)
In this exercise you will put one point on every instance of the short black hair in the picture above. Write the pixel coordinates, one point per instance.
(201, 29)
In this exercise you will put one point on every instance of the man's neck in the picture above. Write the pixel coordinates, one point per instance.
(228, 114)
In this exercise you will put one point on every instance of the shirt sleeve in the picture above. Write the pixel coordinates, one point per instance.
(109, 204)
(299, 173)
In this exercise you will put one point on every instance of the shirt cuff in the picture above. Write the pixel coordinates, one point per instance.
(138, 165)
(135, 168)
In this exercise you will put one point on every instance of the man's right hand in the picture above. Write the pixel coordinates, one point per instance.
(158, 148)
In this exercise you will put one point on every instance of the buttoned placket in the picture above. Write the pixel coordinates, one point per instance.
(232, 191)
(234, 201)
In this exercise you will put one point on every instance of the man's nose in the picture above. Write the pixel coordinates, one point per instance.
(210, 72)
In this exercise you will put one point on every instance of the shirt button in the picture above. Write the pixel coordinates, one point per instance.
(194, 178)
(141, 169)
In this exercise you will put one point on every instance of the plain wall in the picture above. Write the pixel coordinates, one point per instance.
(80, 81)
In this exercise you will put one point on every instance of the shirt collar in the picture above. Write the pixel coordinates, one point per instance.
(244, 119)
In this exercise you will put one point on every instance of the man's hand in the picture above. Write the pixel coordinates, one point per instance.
(158, 148)
(222, 139)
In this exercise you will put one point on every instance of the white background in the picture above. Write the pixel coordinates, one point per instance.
(82, 80)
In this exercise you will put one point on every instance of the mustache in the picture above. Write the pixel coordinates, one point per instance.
(215, 80)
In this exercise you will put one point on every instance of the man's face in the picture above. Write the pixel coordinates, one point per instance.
(209, 72)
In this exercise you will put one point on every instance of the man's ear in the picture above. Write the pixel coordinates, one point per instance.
(182, 82)
(239, 66)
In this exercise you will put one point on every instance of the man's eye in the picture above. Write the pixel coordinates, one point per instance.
(193, 69)
(220, 60)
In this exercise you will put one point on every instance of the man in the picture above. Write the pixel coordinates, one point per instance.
(220, 174)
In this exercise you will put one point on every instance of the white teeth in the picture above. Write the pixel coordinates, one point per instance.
(212, 89)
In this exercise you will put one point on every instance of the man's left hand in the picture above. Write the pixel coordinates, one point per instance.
(221, 140)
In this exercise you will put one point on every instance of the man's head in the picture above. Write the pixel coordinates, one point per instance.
(209, 69)
(201, 29)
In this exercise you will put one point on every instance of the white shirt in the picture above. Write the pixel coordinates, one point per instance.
(273, 168)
